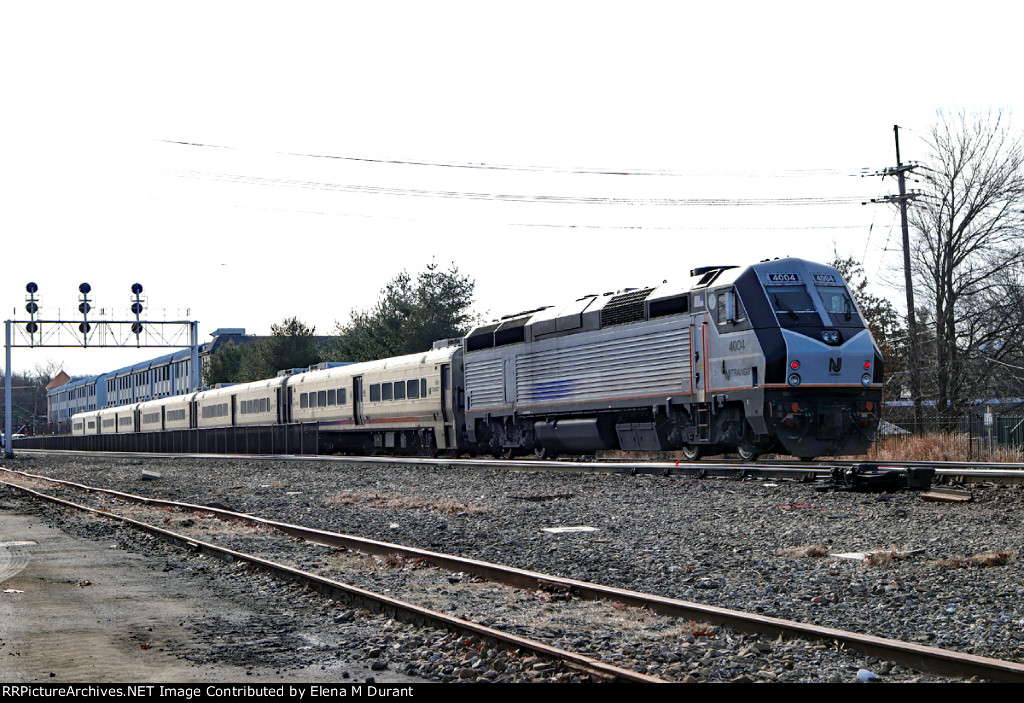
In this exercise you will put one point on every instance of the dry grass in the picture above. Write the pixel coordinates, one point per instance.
(810, 550)
(383, 502)
(881, 557)
(938, 446)
(978, 560)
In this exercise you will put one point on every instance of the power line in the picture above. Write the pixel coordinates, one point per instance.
(601, 171)
(513, 197)
(552, 225)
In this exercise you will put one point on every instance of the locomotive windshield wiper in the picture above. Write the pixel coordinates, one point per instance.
(781, 304)
(849, 308)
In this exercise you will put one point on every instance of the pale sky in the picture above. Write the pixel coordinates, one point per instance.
(344, 142)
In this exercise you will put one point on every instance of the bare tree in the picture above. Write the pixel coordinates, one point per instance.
(968, 225)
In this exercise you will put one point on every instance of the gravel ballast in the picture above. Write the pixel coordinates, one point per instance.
(735, 544)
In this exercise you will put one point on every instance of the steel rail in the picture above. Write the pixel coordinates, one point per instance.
(606, 463)
(929, 659)
(393, 607)
(803, 471)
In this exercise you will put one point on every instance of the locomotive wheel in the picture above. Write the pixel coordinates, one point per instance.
(693, 452)
(747, 452)
(544, 453)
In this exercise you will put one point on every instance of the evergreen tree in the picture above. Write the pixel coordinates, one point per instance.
(409, 317)
(223, 364)
(291, 345)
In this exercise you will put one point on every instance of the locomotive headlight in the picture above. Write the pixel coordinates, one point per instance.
(865, 380)
(793, 380)
(830, 336)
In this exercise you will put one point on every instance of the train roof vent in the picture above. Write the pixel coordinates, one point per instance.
(625, 308)
(511, 331)
(708, 274)
(481, 338)
(669, 306)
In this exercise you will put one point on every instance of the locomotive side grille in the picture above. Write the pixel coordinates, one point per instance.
(656, 362)
(625, 308)
(485, 384)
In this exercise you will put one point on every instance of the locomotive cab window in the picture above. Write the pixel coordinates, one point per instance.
(729, 308)
(839, 305)
(789, 300)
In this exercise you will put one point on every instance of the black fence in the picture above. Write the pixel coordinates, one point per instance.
(975, 435)
(297, 438)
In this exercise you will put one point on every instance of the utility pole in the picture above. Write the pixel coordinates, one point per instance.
(915, 357)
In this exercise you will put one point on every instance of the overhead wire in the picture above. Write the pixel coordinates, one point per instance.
(551, 225)
(589, 170)
(511, 197)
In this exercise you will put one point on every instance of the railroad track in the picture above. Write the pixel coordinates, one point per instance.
(822, 471)
(332, 588)
(937, 661)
